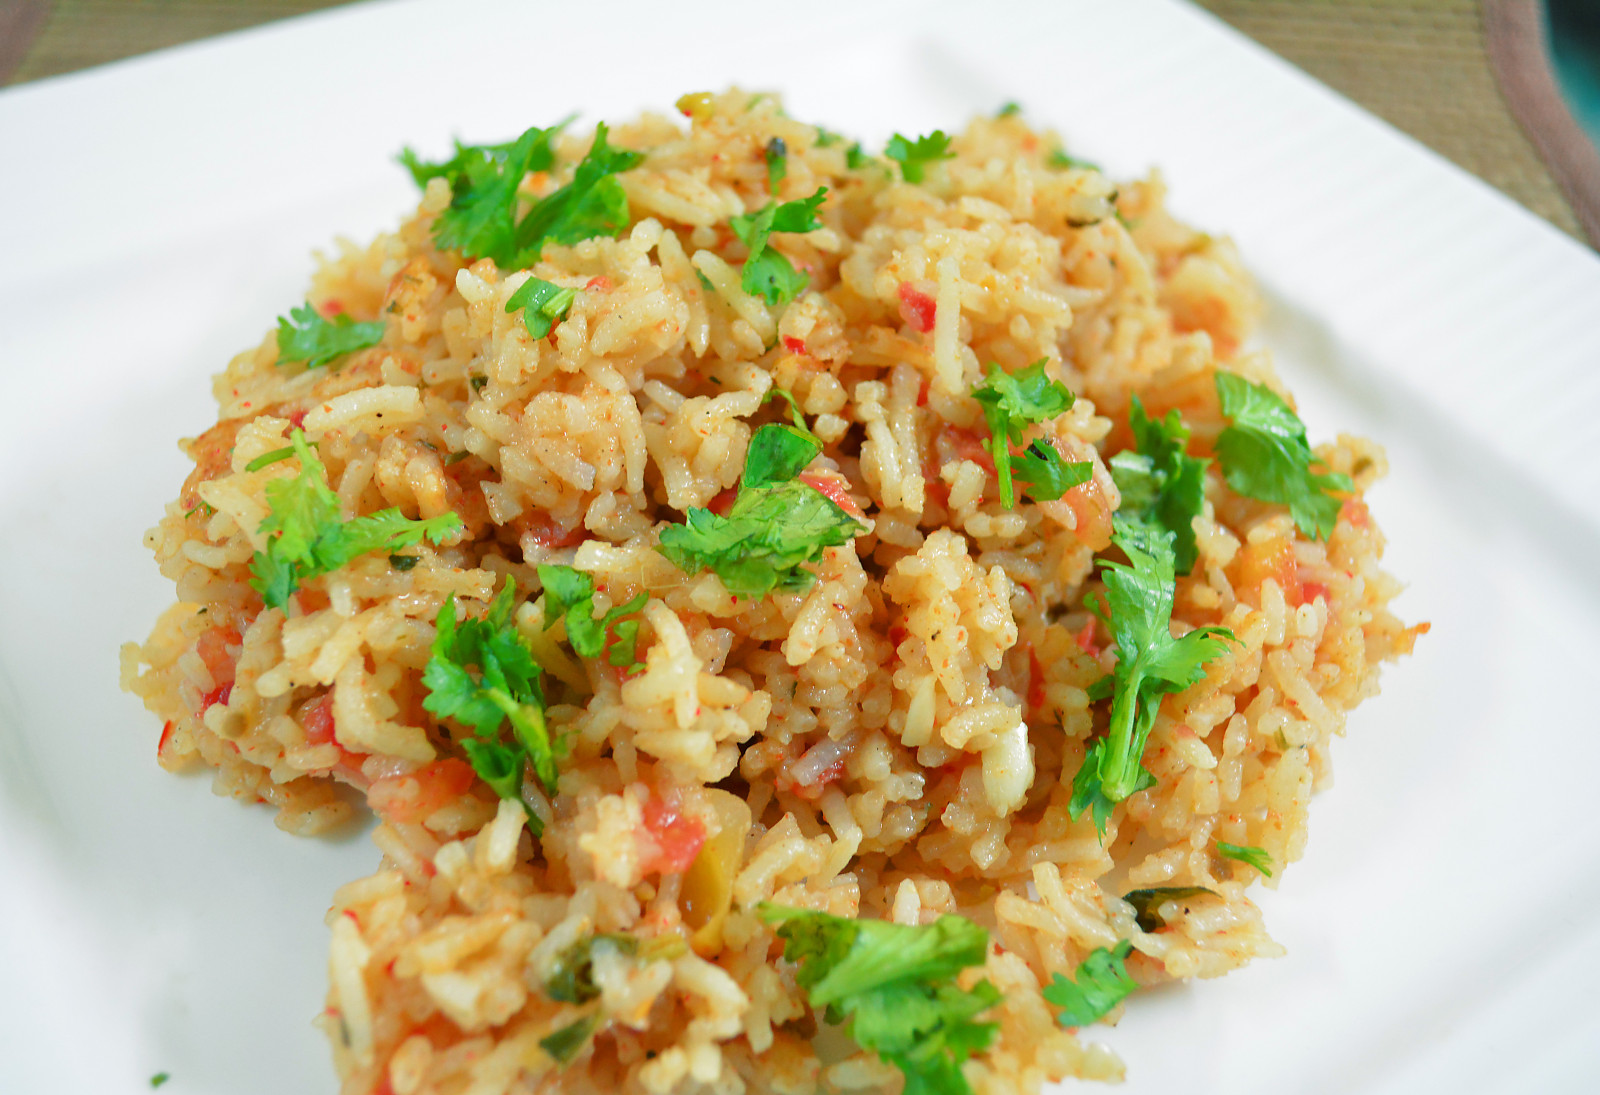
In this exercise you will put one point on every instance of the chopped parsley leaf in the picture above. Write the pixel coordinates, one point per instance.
(826, 137)
(485, 183)
(1013, 401)
(766, 272)
(775, 524)
(855, 159)
(1100, 984)
(894, 987)
(1150, 664)
(1161, 485)
(267, 459)
(207, 506)
(1008, 110)
(160, 1078)
(571, 979)
(482, 674)
(1147, 903)
(915, 157)
(403, 563)
(777, 156)
(543, 303)
(1248, 854)
(456, 457)
(570, 593)
(306, 335)
(306, 537)
(1264, 455)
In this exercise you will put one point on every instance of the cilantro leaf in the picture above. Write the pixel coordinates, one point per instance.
(1150, 664)
(914, 157)
(570, 593)
(776, 522)
(855, 159)
(1100, 984)
(571, 979)
(542, 303)
(1161, 485)
(306, 537)
(1044, 473)
(894, 987)
(305, 335)
(1011, 402)
(592, 204)
(482, 674)
(777, 157)
(485, 181)
(1247, 853)
(1009, 109)
(1264, 455)
(766, 272)
(795, 415)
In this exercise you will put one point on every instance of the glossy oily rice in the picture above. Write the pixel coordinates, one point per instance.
(893, 735)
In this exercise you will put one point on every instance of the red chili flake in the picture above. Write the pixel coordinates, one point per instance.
(598, 284)
(332, 308)
(922, 393)
(917, 308)
(218, 694)
(795, 345)
(166, 736)
(1086, 641)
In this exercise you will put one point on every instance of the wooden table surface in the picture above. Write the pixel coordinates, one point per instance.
(1419, 64)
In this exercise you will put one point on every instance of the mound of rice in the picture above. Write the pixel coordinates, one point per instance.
(898, 741)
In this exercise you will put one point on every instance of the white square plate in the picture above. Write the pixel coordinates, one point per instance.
(158, 213)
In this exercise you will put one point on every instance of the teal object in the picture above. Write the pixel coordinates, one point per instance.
(1572, 27)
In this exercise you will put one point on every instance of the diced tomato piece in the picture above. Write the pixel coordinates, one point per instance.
(1035, 680)
(1270, 559)
(1310, 591)
(678, 837)
(411, 798)
(297, 420)
(212, 646)
(922, 393)
(1092, 514)
(332, 308)
(546, 532)
(957, 443)
(721, 503)
(1355, 512)
(794, 345)
(218, 694)
(917, 308)
(598, 284)
(317, 719)
(1085, 640)
(832, 487)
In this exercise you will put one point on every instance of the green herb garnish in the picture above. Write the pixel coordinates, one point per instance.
(403, 562)
(1264, 455)
(776, 522)
(1008, 110)
(267, 459)
(485, 183)
(543, 303)
(915, 157)
(855, 159)
(777, 157)
(1059, 158)
(1013, 401)
(159, 1078)
(894, 987)
(1248, 854)
(306, 536)
(1150, 664)
(564, 1043)
(570, 593)
(482, 674)
(1161, 485)
(592, 204)
(1100, 984)
(1147, 903)
(571, 979)
(766, 272)
(306, 335)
